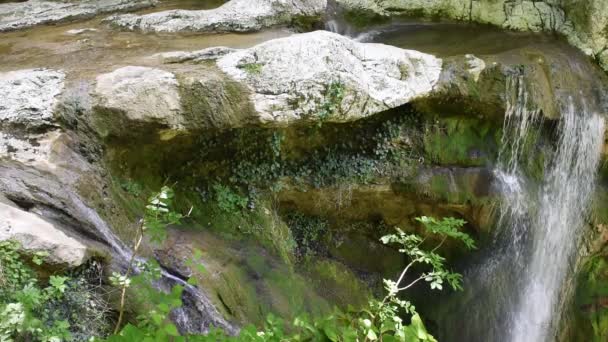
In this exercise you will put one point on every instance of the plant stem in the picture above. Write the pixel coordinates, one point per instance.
(123, 293)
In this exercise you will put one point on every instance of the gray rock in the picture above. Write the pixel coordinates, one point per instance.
(36, 235)
(140, 95)
(583, 22)
(235, 15)
(29, 97)
(196, 56)
(322, 76)
(20, 15)
(318, 76)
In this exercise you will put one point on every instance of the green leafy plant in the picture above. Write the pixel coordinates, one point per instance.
(334, 94)
(31, 310)
(389, 319)
(157, 217)
(228, 200)
(252, 68)
(132, 187)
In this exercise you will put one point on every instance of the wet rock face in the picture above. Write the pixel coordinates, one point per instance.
(20, 15)
(234, 16)
(583, 22)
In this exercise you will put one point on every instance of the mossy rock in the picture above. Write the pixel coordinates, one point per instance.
(460, 141)
(591, 300)
(337, 283)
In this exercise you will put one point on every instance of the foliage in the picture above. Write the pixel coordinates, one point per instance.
(252, 68)
(228, 200)
(132, 187)
(66, 308)
(331, 105)
(381, 320)
(157, 217)
(307, 231)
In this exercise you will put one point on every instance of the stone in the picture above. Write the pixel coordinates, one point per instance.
(20, 15)
(317, 76)
(36, 235)
(322, 76)
(583, 22)
(234, 16)
(211, 53)
(139, 95)
(29, 97)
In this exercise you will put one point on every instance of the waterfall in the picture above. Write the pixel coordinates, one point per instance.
(563, 201)
(543, 238)
(516, 291)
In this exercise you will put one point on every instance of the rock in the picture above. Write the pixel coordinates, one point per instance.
(29, 97)
(322, 76)
(20, 15)
(318, 76)
(36, 235)
(236, 15)
(76, 32)
(138, 95)
(196, 56)
(583, 22)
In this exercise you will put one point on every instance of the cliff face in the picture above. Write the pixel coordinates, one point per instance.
(583, 22)
(296, 154)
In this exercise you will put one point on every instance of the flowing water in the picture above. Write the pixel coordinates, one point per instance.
(563, 202)
(518, 293)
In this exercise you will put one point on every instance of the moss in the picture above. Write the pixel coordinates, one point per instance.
(459, 141)
(252, 68)
(590, 300)
(337, 284)
(306, 23)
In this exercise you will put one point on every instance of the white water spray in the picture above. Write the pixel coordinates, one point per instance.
(563, 201)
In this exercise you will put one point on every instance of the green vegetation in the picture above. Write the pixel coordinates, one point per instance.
(31, 311)
(65, 307)
(307, 232)
(331, 105)
(252, 68)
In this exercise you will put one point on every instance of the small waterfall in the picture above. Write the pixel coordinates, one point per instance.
(563, 199)
(197, 313)
(517, 292)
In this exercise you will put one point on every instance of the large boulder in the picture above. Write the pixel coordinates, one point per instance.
(20, 15)
(313, 77)
(236, 15)
(323, 76)
(139, 94)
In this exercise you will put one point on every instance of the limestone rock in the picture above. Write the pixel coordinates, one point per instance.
(36, 235)
(20, 15)
(196, 56)
(139, 94)
(322, 76)
(235, 15)
(29, 97)
(583, 22)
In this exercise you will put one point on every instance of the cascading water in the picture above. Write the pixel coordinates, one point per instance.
(556, 229)
(197, 313)
(518, 292)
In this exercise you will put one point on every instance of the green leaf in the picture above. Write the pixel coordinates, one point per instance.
(171, 330)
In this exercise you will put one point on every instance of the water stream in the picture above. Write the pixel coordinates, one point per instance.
(556, 229)
(520, 289)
